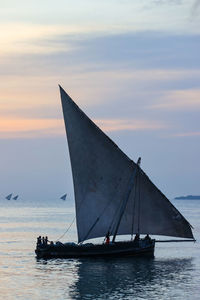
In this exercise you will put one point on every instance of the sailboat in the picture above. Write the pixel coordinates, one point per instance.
(9, 197)
(113, 197)
(63, 197)
(16, 197)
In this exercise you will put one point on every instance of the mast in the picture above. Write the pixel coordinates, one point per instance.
(139, 198)
(133, 208)
(126, 199)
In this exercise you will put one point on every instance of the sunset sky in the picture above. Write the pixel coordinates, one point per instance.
(132, 66)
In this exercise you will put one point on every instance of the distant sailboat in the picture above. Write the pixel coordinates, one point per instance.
(9, 197)
(16, 197)
(113, 197)
(63, 197)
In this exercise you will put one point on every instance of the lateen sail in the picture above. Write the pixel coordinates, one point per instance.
(63, 197)
(102, 174)
(9, 197)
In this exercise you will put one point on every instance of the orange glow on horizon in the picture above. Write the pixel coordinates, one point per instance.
(127, 124)
(29, 128)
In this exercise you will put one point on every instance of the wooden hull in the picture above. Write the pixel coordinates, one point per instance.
(119, 249)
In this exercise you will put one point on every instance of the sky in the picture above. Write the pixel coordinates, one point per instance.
(132, 66)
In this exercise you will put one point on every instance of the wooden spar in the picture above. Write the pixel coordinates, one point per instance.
(173, 241)
(126, 199)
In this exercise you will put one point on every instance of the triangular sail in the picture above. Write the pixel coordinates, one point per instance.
(8, 197)
(102, 174)
(149, 211)
(63, 197)
(16, 197)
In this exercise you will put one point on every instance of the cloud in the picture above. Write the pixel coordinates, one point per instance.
(107, 16)
(134, 50)
(19, 38)
(187, 134)
(58, 53)
(136, 125)
(179, 100)
(38, 95)
(128, 76)
(31, 128)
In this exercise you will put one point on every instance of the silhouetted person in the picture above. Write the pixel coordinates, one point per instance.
(39, 240)
(147, 237)
(46, 240)
(137, 237)
(108, 238)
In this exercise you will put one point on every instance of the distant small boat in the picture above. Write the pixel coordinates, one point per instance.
(9, 197)
(16, 197)
(63, 197)
(189, 197)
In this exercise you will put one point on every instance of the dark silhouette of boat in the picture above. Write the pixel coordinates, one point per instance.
(9, 197)
(113, 197)
(189, 197)
(63, 197)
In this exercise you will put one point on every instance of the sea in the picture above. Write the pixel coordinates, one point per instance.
(174, 272)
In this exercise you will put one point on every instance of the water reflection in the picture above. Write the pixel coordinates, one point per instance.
(122, 278)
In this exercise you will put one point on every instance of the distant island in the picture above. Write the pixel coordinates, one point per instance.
(189, 197)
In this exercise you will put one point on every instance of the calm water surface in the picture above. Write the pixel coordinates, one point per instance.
(174, 273)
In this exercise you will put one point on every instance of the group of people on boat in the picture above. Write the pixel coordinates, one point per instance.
(136, 239)
(146, 238)
(42, 240)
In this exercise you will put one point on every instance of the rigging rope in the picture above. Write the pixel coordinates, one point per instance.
(67, 229)
(71, 222)
(112, 225)
(97, 220)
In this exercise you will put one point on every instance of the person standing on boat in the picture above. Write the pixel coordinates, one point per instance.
(39, 240)
(46, 240)
(108, 238)
(136, 239)
(147, 237)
